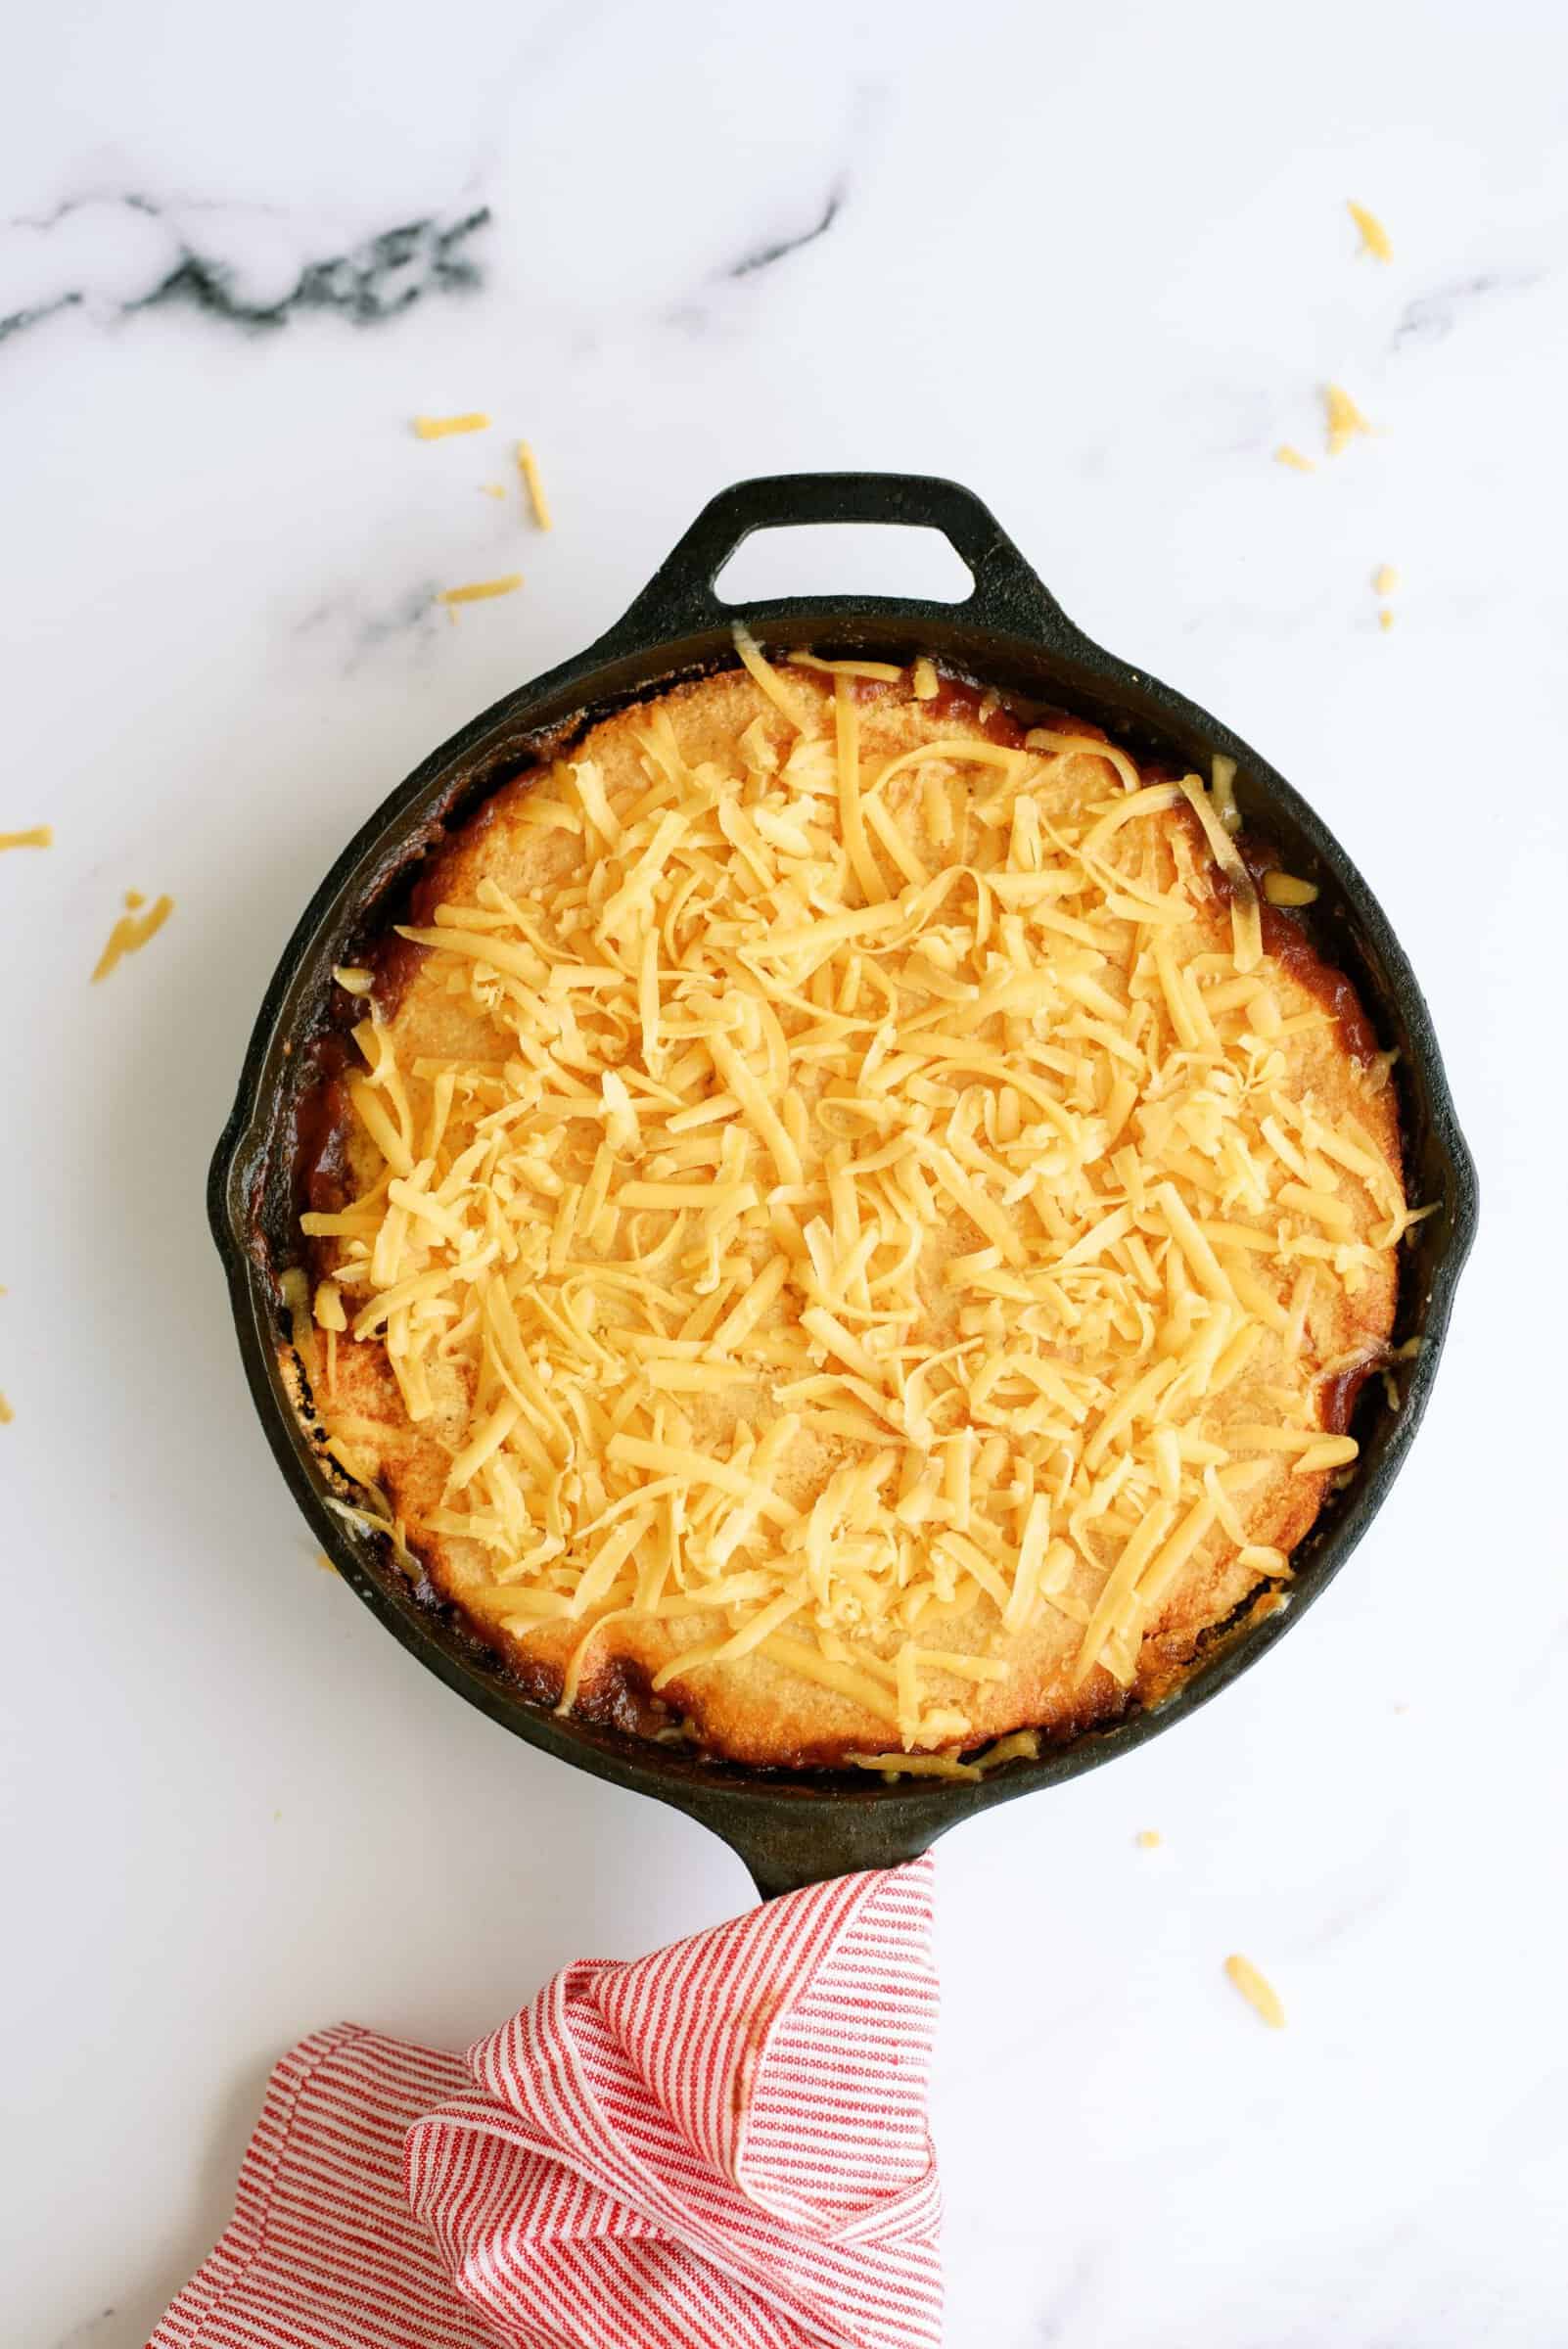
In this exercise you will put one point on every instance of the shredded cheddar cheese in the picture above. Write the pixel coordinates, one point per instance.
(1260, 1994)
(1150, 1839)
(884, 673)
(1285, 455)
(39, 836)
(836, 1248)
(1019, 1745)
(527, 465)
(132, 932)
(1344, 418)
(6, 1414)
(916, 1766)
(1375, 236)
(479, 590)
(1284, 889)
(442, 428)
(1384, 581)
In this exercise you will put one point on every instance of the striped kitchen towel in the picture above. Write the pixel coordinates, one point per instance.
(721, 2146)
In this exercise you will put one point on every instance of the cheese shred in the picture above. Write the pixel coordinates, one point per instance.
(1344, 419)
(1259, 1992)
(1375, 236)
(442, 428)
(132, 933)
(529, 467)
(479, 591)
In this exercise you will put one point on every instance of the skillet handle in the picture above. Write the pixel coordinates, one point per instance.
(1009, 596)
(801, 1837)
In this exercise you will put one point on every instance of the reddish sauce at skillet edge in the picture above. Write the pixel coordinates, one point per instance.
(1339, 1392)
(321, 1123)
(1287, 942)
(323, 1116)
(955, 700)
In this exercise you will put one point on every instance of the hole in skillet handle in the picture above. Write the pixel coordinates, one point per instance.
(848, 557)
(681, 599)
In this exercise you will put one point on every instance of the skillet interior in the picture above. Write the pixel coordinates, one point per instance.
(1010, 633)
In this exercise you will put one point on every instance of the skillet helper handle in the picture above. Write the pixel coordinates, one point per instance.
(1008, 594)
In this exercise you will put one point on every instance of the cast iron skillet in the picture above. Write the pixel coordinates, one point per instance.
(1010, 632)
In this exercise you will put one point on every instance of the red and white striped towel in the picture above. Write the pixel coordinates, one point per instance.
(721, 2146)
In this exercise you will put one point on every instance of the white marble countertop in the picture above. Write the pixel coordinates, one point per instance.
(1096, 263)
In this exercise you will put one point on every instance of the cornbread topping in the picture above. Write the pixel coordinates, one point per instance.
(849, 1216)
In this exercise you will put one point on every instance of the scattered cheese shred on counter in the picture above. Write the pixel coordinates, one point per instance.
(1150, 1839)
(1344, 418)
(529, 467)
(1385, 579)
(969, 1184)
(6, 1414)
(442, 428)
(132, 932)
(479, 591)
(1259, 1992)
(39, 836)
(1385, 620)
(1284, 454)
(492, 488)
(1375, 236)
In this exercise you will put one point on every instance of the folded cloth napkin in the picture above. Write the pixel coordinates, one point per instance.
(724, 2145)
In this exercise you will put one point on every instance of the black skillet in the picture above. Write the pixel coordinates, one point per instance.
(792, 1829)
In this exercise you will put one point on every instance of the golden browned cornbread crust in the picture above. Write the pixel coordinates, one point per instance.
(1320, 1303)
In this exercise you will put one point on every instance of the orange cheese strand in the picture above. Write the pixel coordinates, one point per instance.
(1259, 1992)
(1375, 236)
(479, 591)
(1344, 418)
(132, 933)
(442, 428)
(529, 467)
